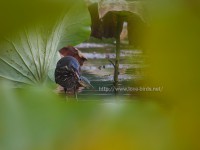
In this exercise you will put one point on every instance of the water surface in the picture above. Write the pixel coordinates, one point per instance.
(99, 70)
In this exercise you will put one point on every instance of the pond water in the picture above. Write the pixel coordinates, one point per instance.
(100, 71)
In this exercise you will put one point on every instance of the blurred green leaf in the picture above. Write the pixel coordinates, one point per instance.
(14, 14)
(35, 118)
(29, 54)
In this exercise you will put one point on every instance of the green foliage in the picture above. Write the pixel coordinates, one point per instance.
(30, 53)
(14, 14)
(35, 118)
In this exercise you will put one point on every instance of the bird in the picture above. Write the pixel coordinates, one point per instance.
(67, 75)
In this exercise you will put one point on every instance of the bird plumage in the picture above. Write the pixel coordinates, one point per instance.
(67, 75)
(67, 72)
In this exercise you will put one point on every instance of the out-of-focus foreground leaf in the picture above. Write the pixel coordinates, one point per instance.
(14, 14)
(173, 50)
(35, 118)
(173, 54)
(28, 54)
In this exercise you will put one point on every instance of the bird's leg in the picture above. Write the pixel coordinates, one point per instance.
(66, 97)
(75, 93)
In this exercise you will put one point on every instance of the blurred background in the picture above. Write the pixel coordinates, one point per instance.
(159, 48)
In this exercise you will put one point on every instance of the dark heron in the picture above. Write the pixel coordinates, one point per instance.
(67, 75)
